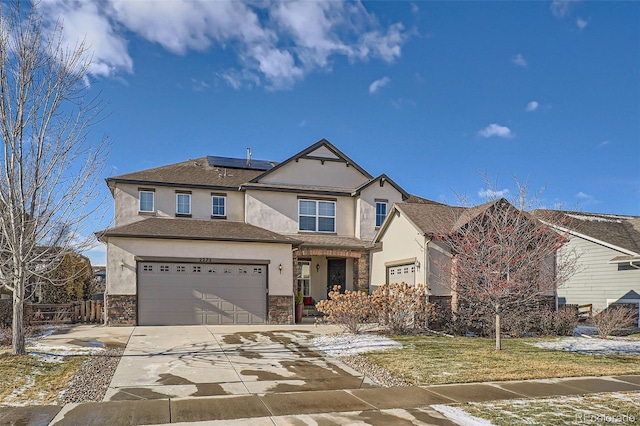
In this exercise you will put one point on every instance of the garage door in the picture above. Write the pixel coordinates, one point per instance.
(188, 293)
(401, 274)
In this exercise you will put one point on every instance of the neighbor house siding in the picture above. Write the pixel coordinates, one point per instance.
(596, 279)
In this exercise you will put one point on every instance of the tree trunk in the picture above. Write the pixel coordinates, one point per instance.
(17, 344)
(498, 327)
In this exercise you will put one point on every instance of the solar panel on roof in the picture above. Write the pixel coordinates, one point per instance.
(239, 163)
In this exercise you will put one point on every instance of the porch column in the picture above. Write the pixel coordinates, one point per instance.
(361, 272)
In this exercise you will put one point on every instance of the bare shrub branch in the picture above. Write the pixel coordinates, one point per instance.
(49, 167)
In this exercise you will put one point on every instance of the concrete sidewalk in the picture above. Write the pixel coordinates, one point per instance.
(408, 405)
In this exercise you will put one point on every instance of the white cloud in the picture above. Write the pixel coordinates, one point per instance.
(604, 143)
(560, 8)
(583, 196)
(492, 194)
(302, 123)
(107, 50)
(532, 106)
(415, 9)
(582, 23)
(496, 130)
(519, 61)
(277, 43)
(378, 84)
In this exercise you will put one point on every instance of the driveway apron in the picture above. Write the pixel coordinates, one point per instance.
(192, 361)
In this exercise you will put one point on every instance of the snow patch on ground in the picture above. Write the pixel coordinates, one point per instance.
(593, 346)
(459, 416)
(352, 344)
(587, 330)
(48, 353)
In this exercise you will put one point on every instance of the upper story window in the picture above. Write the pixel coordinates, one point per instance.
(183, 203)
(145, 198)
(316, 215)
(218, 206)
(381, 212)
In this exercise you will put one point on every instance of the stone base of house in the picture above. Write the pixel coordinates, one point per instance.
(121, 309)
(280, 310)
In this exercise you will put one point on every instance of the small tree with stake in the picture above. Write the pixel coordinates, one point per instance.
(49, 172)
(503, 261)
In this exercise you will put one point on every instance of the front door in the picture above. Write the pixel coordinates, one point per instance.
(337, 273)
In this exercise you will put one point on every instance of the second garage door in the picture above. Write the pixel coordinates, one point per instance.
(401, 274)
(188, 294)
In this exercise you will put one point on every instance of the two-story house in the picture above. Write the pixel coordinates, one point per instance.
(220, 240)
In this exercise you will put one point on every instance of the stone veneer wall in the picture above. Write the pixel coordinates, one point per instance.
(361, 272)
(121, 309)
(280, 310)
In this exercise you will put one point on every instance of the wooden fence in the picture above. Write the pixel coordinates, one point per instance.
(84, 312)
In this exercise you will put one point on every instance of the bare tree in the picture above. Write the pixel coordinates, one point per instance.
(49, 169)
(503, 260)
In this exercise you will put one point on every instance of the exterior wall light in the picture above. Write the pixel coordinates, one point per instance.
(317, 267)
(280, 268)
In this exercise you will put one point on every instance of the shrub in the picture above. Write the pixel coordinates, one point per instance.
(403, 308)
(351, 310)
(612, 319)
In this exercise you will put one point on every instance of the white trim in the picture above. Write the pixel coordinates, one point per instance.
(224, 213)
(318, 216)
(153, 201)
(178, 196)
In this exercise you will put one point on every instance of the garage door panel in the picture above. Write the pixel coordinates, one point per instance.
(201, 294)
(401, 274)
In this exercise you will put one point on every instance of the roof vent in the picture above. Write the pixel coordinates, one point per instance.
(248, 156)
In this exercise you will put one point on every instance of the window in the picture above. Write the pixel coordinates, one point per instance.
(381, 212)
(317, 216)
(146, 201)
(219, 206)
(183, 203)
(304, 277)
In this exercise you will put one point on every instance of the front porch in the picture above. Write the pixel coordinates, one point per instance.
(318, 269)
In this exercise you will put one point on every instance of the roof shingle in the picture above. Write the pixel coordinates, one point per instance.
(192, 229)
(618, 230)
(199, 172)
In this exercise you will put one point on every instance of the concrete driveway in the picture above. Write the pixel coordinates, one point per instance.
(194, 361)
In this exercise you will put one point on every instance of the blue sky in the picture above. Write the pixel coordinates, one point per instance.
(433, 94)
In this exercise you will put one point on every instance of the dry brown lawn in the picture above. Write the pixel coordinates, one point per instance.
(438, 360)
(30, 380)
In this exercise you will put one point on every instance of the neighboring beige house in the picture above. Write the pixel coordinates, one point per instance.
(408, 247)
(222, 240)
(405, 247)
(608, 247)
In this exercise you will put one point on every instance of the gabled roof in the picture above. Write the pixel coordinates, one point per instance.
(191, 229)
(428, 218)
(431, 219)
(384, 179)
(436, 219)
(201, 172)
(340, 156)
(615, 231)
